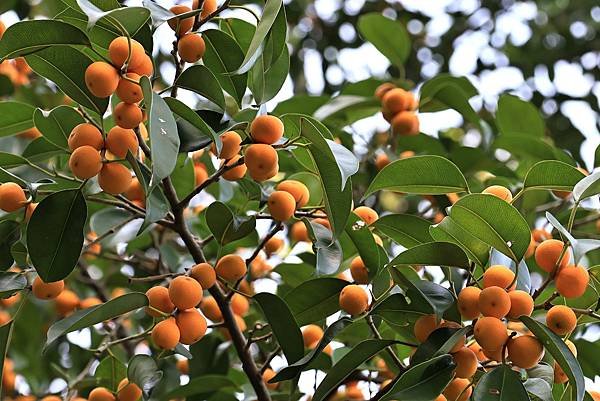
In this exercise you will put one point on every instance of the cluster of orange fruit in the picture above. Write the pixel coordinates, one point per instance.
(398, 108)
(126, 391)
(89, 145)
(190, 46)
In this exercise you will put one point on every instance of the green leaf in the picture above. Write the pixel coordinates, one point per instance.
(200, 134)
(315, 299)
(201, 386)
(378, 29)
(294, 369)
(10, 283)
(448, 94)
(27, 37)
(327, 249)
(143, 371)
(55, 234)
(57, 124)
(96, 314)
(552, 175)
(433, 254)
(65, 66)
(110, 372)
(423, 175)
(450, 231)
(500, 384)
(271, 68)
(529, 122)
(428, 102)
(10, 232)
(5, 337)
(283, 325)
(183, 176)
(225, 226)
(199, 79)
(256, 46)
(15, 117)
(40, 150)
(222, 56)
(344, 110)
(495, 222)
(429, 296)
(588, 186)
(10, 160)
(404, 229)
(423, 382)
(561, 354)
(373, 256)
(440, 342)
(539, 388)
(525, 146)
(164, 140)
(361, 353)
(397, 311)
(337, 191)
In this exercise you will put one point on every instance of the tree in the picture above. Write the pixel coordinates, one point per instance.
(148, 236)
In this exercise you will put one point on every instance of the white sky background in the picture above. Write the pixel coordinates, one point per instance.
(366, 61)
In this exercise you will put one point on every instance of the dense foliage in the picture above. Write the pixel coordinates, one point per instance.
(166, 235)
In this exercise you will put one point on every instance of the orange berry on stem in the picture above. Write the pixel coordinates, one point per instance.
(266, 129)
(45, 291)
(547, 254)
(101, 79)
(191, 47)
(499, 276)
(166, 334)
(158, 298)
(572, 281)
(354, 300)
(192, 326)
(128, 91)
(490, 333)
(12, 197)
(185, 292)
(85, 134)
(127, 115)
(297, 189)
(120, 140)
(561, 320)
(85, 162)
(500, 192)
(231, 268)
(468, 302)
(119, 52)
(114, 178)
(182, 25)
(205, 274)
(282, 205)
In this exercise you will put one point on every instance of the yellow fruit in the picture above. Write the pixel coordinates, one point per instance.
(101, 394)
(120, 140)
(158, 298)
(354, 300)
(266, 129)
(191, 47)
(311, 334)
(85, 162)
(499, 276)
(192, 326)
(366, 214)
(297, 189)
(118, 52)
(359, 271)
(468, 302)
(282, 205)
(205, 274)
(101, 79)
(237, 172)
(261, 161)
(86, 134)
(466, 363)
(547, 254)
(521, 304)
(231, 268)
(494, 301)
(231, 145)
(500, 192)
(12, 197)
(211, 310)
(128, 391)
(458, 390)
(114, 178)
(405, 123)
(127, 115)
(183, 25)
(561, 320)
(525, 351)
(166, 334)
(185, 292)
(45, 291)
(424, 326)
(490, 333)
(66, 302)
(572, 281)
(128, 91)
(267, 375)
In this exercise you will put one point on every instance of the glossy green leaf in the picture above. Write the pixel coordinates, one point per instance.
(162, 128)
(398, 311)
(373, 256)
(256, 46)
(10, 160)
(423, 382)
(588, 186)
(199, 79)
(11, 283)
(337, 190)
(450, 95)
(428, 102)
(327, 249)
(439, 342)
(429, 296)
(404, 229)
(361, 353)
(143, 371)
(493, 221)
(433, 254)
(315, 299)
(27, 37)
(283, 325)
(65, 66)
(425, 175)
(10, 232)
(225, 226)
(561, 354)
(96, 314)
(450, 231)
(294, 369)
(222, 56)
(56, 125)
(198, 133)
(15, 117)
(552, 175)
(500, 384)
(529, 122)
(55, 234)
(378, 29)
